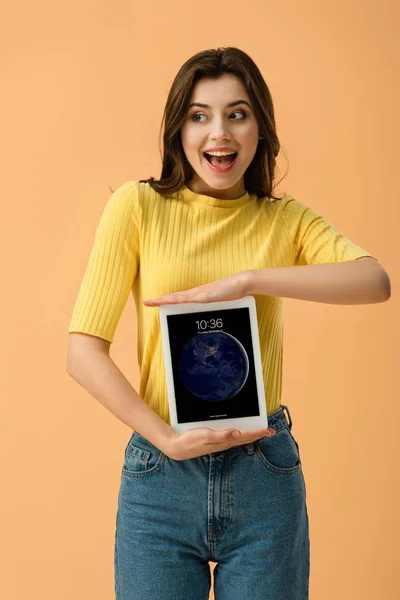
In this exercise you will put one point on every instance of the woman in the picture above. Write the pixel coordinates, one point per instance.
(209, 229)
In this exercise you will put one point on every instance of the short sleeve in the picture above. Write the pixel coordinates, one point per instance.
(112, 266)
(316, 240)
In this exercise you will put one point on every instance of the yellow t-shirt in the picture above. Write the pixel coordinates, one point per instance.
(154, 246)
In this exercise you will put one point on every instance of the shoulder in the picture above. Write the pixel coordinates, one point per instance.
(126, 190)
(286, 208)
(292, 210)
(126, 197)
(122, 208)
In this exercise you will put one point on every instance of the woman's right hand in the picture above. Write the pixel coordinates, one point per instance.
(203, 440)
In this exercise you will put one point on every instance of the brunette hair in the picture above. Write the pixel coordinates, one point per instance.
(176, 170)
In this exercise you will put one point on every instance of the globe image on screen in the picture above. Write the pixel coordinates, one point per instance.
(213, 366)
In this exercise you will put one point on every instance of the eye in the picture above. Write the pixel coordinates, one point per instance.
(241, 112)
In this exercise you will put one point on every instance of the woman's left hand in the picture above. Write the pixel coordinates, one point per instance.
(232, 287)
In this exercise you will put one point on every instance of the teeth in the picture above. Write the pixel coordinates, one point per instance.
(219, 153)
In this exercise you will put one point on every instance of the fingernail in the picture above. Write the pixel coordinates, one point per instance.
(235, 433)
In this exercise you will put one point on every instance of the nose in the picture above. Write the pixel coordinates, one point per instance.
(220, 130)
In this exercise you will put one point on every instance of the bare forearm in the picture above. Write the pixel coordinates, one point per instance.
(349, 282)
(97, 373)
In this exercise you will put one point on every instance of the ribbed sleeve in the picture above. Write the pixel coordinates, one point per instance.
(315, 239)
(112, 266)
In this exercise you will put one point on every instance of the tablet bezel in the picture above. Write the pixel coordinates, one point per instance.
(242, 423)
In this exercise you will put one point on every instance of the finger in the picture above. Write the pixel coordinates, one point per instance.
(253, 432)
(241, 437)
(247, 437)
(161, 298)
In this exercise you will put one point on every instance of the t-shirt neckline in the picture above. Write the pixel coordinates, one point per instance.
(191, 196)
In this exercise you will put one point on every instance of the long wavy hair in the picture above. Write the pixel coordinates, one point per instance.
(176, 170)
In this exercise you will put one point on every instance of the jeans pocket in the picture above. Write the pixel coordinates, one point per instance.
(141, 457)
(279, 453)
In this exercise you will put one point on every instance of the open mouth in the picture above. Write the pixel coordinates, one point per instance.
(220, 161)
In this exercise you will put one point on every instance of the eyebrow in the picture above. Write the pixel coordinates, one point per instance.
(228, 105)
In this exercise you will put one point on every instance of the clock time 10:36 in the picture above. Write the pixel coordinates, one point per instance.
(211, 324)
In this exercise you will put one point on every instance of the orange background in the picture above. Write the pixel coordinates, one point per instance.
(83, 87)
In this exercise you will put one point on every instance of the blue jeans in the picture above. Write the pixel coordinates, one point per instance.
(243, 508)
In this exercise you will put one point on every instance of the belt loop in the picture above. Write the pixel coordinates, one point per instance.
(288, 412)
(250, 447)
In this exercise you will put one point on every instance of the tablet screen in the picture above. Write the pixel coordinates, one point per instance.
(212, 364)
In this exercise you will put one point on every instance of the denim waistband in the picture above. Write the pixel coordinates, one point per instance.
(277, 420)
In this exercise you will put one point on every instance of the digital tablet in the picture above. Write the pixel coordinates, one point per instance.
(213, 365)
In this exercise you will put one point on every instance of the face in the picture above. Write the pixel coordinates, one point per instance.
(219, 125)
